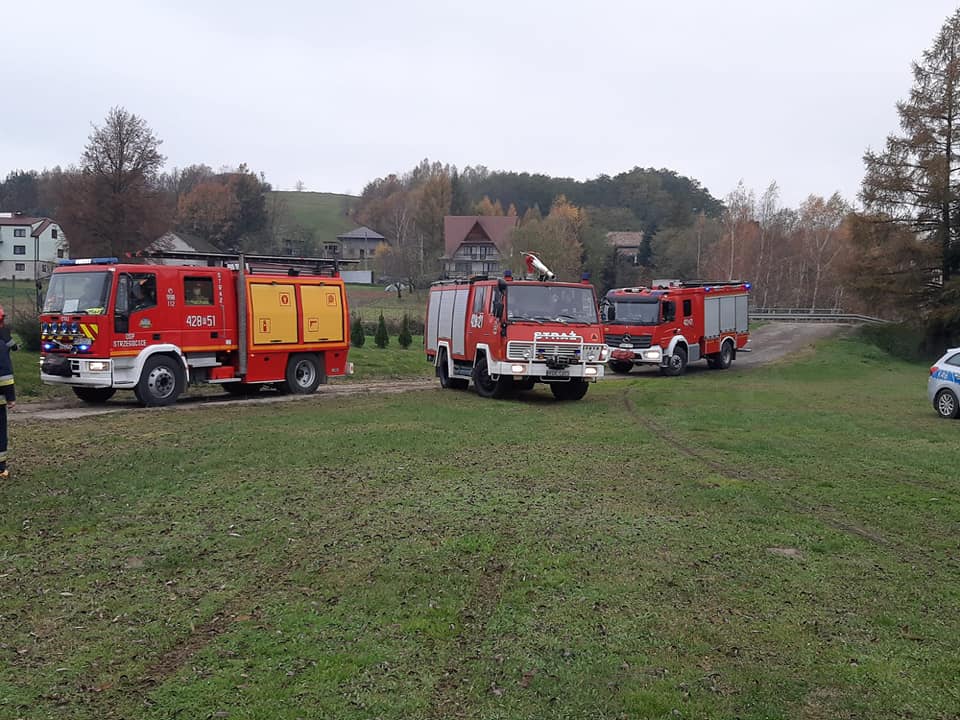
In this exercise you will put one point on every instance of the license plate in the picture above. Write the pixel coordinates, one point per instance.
(558, 373)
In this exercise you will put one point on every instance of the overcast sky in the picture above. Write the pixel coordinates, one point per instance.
(337, 94)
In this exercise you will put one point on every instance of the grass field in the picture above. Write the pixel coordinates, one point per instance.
(368, 301)
(774, 542)
(322, 212)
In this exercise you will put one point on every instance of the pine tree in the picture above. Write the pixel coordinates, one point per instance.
(357, 338)
(381, 339)
(405, 338)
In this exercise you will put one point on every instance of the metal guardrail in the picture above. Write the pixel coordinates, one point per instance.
(812, 315)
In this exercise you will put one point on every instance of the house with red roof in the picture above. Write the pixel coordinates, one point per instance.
(29, 246)
(476, 244)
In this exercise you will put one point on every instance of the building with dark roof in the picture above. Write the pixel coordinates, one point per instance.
(360, 244)
(29, 246)
(476, 244)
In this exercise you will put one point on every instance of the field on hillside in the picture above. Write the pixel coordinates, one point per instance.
(321, 212)
(775, 542)
(368, 301)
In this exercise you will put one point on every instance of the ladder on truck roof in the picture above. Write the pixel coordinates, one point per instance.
(253, 264)
(662, 284)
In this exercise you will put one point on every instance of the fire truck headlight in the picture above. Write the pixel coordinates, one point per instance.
(517, 369)
(526, 354)
(651, 354)
(98, 366)
(604, 352)
(589, 371)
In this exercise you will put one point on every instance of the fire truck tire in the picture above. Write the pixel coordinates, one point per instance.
(676, 363)
(303, 374)
(726, 356)
(488, 387)
(621, 367)
(94, 396)
(447, 382)
(161, 381)
(573, 390)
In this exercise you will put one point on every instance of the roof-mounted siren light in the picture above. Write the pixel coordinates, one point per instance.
(536, 267)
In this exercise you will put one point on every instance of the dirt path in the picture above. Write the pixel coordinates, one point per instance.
(768, 343)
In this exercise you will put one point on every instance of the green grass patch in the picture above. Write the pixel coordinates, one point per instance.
(773, 542)
(324, 213)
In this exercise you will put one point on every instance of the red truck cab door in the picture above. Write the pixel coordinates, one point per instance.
(139, 318)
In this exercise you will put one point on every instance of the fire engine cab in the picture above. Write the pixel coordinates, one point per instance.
(236, 321)
(673, 323)
(508, 335)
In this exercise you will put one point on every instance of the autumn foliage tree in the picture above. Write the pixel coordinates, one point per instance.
(114, 204)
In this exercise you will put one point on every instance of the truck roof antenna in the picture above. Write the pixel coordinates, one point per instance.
(536, 267)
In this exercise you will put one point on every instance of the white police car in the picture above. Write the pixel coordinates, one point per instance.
(943, 387)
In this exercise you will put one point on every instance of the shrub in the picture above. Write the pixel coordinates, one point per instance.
(357, 335)
(26, 326)
(381, 339)
(405, 338)
(902, 340)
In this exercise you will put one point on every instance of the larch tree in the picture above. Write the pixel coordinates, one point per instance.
(913, 181)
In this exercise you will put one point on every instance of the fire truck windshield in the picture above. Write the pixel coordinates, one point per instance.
(551, 303)
(636, 313)
(78, 293)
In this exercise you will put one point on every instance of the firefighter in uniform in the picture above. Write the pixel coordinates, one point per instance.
(8, 397)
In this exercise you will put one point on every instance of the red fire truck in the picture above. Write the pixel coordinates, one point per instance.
(673, 323)
(236, 321)
(508, 335)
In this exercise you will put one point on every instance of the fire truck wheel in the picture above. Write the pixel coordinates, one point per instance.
(161, 381)
(573, 390)
(488, 387)
(726, 356)
(447, 382)
(303, 374)
(94, 396)
(676, 363)
(621, 367)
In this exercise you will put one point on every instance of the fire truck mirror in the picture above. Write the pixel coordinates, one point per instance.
(608, 312)
(121, 315)
(669, 311)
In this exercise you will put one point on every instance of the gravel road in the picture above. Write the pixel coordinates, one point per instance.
(768, 343)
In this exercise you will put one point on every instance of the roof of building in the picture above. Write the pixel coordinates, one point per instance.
(625, 239)
(362, 233)
(18, 220)
(184, 241)
(496, 227)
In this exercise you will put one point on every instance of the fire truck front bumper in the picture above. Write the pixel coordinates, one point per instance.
(88, 372)
(651, 355)
(519, 370)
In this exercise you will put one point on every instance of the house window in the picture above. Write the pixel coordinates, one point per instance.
(20, 267)
(44, 267)
(362, 251)
(60, 252)
(53, 233)
(19, 232)
(19, 249)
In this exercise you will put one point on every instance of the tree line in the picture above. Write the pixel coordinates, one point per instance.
(898, 255)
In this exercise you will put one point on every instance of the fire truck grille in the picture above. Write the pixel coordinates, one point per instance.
(638, 341)
(568, 352)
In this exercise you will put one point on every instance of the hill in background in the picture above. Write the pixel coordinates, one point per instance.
(326, 214)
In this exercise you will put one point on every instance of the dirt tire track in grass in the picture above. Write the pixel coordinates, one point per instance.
(448, 700)
(828, 516)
